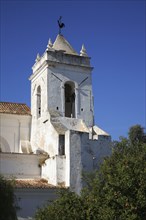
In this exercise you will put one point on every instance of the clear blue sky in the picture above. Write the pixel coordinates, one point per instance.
(114, 36)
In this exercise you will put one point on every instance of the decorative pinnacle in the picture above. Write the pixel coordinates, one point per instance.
(83, 51)
(50, 45)
(37, 58)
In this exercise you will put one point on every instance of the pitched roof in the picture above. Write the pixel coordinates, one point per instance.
(63, 45)
(14, 108)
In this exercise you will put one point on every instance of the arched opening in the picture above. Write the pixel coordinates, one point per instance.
(70, 99)
(4, 146)
(38, 102)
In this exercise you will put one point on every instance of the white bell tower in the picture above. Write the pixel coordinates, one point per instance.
(62, 114)
(61, 83)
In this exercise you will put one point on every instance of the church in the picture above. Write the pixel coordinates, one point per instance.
(54, 142)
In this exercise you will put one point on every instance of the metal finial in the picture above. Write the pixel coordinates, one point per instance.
(60, 24)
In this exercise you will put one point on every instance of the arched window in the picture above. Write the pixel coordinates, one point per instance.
(38, 102)
(69, 99)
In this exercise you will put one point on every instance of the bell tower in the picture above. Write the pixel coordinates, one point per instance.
(62, 114)
(61, 83)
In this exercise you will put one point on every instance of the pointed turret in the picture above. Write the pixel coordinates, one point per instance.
(83, 52)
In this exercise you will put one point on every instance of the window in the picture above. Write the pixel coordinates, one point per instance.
(61, 145)
(39, 102)
(70, 99)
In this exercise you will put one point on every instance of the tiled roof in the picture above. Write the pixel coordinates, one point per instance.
(14, 108)
(34, 184)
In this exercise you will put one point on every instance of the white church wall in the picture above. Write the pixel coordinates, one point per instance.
(13, 129)
(61, 170)
(44, 136)
(39, 79)
(86, 156)
(94, 151)
(49, 170)
(83, 92)
(20, 166)
(54, 170)
(101, 148)
(29, 200)
(55, 91)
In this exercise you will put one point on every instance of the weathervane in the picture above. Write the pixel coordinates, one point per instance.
(60, 24)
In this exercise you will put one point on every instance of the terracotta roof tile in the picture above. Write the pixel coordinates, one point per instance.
(14, 108)
(34, 183)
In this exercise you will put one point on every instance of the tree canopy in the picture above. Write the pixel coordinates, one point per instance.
(7, 200)
(116, 191)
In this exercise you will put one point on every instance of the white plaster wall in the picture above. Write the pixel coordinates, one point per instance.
(84, 96)
(51, 73)
(29, 200)
(54, 170)
(44, 136)
(13, 129)
(39, 80)
(20, 165)
(61, 170)
(101, 148)
(94, 151)
(49, 170)
(86, 155)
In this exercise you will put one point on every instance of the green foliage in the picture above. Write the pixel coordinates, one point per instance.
(136, 134)
(68, 206)
(117, 191)
(7, 200)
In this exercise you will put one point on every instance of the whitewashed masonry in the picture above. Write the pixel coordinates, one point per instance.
(61, 126)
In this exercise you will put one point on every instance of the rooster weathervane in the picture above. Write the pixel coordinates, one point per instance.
(60, 24)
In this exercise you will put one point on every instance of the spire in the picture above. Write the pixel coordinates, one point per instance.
(37, 58)
(83, 52)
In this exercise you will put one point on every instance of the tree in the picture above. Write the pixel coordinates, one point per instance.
(136, 134)
(117, 191)
(69, 206)
(7, 200)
